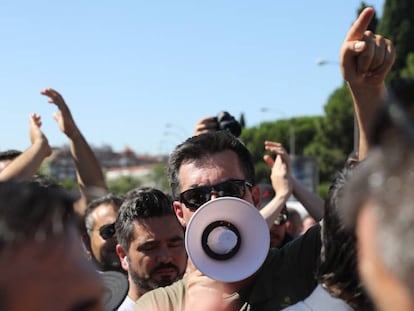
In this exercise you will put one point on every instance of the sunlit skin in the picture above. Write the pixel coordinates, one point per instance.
(156, 255)
(103, 251)
(51, 276)
(211, 170)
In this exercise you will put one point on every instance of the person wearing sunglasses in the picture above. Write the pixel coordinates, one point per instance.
(150, 243)
(217, 164)
(100, 241)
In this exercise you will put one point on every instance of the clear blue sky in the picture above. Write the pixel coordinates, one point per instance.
(128, 68)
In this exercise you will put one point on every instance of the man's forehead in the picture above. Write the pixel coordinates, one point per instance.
(217, 167)
(157, 227)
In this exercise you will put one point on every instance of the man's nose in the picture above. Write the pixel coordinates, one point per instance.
(164, 254)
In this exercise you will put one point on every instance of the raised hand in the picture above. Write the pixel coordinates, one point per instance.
(366, 58)
(63, 117)
(281, 176)
(37, 136)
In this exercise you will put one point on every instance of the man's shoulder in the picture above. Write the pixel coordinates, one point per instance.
(169, 298)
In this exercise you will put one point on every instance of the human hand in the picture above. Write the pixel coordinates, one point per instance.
(366, 58)
(63, 117)
(37, 136)
(205, 125)
(202, 293)
(280, 176)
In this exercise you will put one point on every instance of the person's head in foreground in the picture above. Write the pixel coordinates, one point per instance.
(379, 208)
(41, 256)
(338, 270)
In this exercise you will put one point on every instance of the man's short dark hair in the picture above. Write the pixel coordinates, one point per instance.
(10, 154)
(338, 270)
(197, 147)
(139, 204)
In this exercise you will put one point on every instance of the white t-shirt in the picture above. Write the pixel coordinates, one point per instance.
(320, 300)
(127, 305)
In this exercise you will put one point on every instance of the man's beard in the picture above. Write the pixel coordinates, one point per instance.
(146, 284)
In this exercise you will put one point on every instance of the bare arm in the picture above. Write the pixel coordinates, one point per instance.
(281, 181)
(366, 59)
(26, 164)
(285, 184)
(314, 204)
(88, 171)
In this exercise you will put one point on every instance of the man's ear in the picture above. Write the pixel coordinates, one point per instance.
(178, 209)
(256, 196)
(122, 257)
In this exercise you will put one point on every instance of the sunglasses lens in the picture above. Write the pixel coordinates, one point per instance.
(194, 198)
(231, 188)
(107, 231)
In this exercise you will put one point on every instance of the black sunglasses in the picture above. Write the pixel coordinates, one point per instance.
(107, 231)
(195, 197)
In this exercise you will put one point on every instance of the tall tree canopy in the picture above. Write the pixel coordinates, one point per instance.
(397, 24)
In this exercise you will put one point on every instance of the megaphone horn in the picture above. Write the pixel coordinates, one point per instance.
(227, 239)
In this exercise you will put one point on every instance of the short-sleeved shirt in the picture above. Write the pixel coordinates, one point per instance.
(286, 277)
(320, 300)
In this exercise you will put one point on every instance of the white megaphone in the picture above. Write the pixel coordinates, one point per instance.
(227, 239)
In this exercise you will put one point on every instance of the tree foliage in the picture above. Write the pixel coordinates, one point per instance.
(397, 24)
(335, 136)
(303, 129)
(123, 184)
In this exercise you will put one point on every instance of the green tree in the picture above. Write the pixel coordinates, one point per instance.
(334, 138)
(408, 72)
(123, 184)
(303, 128)
(242, 121)
(159, 176)
(397, 24)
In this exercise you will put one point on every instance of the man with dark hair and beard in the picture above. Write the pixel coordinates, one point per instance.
(150, 243)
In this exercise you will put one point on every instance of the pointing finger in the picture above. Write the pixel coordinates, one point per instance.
(360, 25)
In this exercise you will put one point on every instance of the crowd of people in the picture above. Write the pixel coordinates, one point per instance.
(351, 253)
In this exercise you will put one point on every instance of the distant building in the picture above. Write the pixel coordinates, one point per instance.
(113, 164)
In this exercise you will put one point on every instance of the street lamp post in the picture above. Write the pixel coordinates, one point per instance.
(292, 139)
(323, 62)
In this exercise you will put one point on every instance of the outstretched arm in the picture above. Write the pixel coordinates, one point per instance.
(88, 171)
(285, 184)
(26, 164)
(314, 204)
(281, 181)
(366, 58)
